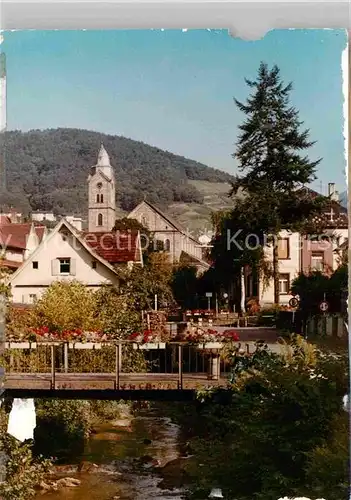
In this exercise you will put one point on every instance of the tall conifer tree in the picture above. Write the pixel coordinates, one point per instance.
(274, 168)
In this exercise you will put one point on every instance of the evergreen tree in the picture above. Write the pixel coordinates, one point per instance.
(270, 154)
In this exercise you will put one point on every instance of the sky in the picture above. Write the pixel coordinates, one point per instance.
(174, 89)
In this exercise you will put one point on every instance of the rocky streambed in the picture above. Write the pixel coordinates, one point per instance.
(130, 458)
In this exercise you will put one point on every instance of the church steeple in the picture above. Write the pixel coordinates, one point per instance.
(103, 158)
(102, 195)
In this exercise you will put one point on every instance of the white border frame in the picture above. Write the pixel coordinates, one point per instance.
(246, 19)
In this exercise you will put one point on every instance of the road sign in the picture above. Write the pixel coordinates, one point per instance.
(324, 306)
(209, 294)
(294, 302)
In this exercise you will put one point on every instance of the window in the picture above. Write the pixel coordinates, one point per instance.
(97, 198)
(35, 264)
(32, 298)
(144, 221)
(100, 220)
(101, 198)
(283, 248)
(317, 261)
(284, 284)
(94, 264)
(167, 245)
(99, 185)
(65, 266)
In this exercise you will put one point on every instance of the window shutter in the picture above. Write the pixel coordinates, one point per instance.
(73, 267)
(55, 267)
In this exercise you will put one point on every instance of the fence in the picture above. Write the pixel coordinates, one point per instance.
(118, 359)
(330, 325)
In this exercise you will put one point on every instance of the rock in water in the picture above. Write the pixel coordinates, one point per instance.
(216, 493)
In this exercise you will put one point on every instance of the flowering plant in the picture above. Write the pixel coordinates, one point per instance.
(76, 335)
(197, 335)
(145, 337)
(199, 312)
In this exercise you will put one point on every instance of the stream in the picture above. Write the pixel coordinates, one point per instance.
(126, 458)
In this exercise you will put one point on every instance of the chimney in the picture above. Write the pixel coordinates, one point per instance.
(332, 193)
(331, 189)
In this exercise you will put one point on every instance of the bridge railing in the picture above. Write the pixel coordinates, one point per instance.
(114, 358)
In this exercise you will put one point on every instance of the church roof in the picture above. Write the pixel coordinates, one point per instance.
(169, 219)
(186, 257)
(118, 247)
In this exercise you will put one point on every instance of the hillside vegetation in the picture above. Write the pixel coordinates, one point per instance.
(47, 170)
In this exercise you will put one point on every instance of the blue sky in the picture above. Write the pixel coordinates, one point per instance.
(174, 89)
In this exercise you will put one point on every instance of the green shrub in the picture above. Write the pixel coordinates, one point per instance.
(22, 471)
(62, 428)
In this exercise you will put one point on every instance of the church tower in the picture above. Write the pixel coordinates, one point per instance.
(102, 195)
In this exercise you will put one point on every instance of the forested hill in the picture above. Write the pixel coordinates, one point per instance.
(47, 170)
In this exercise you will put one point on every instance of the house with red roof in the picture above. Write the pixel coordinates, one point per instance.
(18, 241)
(66, 254)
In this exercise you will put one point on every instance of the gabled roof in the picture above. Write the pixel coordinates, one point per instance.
(97, 169)
(15, 235)
(168, 218)
(339, 220)
(62, 224)
(184, 256)
(118, 247)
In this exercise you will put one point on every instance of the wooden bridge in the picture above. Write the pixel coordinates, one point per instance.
(173, 370)
(104, 370)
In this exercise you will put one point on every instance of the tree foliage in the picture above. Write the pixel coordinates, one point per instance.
(238, 244)
(274, 427)
(142, 284)
(117, 316)
(184, 285)
(316, 286)
(66, 306)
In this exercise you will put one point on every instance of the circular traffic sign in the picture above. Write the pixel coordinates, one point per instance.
(293, 302)
(324, 306)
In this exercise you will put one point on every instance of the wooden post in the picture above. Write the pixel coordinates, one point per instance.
(214, 371)
(53, 384)
(117, 365)
(2, 338)
(65, 356)
(180, 366)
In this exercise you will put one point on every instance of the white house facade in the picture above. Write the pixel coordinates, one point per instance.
(298, 253)
(62, 255)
